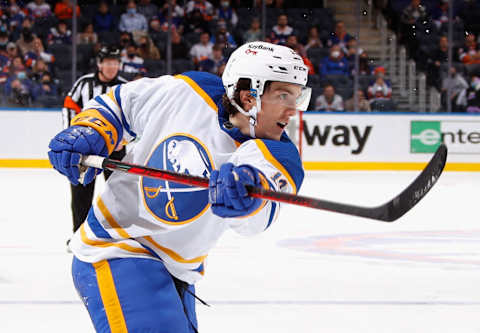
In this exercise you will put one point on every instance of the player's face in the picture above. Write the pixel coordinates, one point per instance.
(109, 68)
(279, 103)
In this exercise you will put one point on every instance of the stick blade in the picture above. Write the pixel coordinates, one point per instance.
(402, 203)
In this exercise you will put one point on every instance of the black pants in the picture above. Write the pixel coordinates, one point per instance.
(82, 196)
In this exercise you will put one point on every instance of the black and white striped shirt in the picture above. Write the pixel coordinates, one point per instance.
(85, 88)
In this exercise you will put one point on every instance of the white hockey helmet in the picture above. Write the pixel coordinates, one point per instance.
(262, 62)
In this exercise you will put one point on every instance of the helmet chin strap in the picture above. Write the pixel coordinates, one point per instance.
(252, 114)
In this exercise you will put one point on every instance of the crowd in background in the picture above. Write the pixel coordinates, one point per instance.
(36, 40)
(422, 25)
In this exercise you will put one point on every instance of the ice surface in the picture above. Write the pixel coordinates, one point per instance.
(312, 271)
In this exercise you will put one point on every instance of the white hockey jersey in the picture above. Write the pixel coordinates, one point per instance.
(179, 125)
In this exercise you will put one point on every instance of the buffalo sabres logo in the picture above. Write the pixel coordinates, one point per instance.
(170, 202)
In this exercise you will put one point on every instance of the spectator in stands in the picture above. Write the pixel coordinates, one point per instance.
(195, 22)
(131, 62)
(380, 89)
(281, 31)
(147, 9)
(313, 38)
(440, 14)
(3, 39)
(339, 36)
(352, 49)
(458, 86)
(103, 19)
(436, 58)
(178, 14)
(469, 53)
(214, 61)
(12, 51)
(205, 8)
(6, 56)
(60, 34)
(38, 53)
(203, 49)
(3, 48)
(364, 67)
(3, 79)
(226, 12)
(18, 68)
(363, 104)
(335, 63)
(414, 12)
(15, 14)
(88, 36)
(39, 68)
(125, 40)
(64, 10)
(254, 33)
(156, 33)
(39, 9)
(222, 35)
(131, 20)
(146, 49)
(46, 86)
(328, 100)
(473, 95)
(25, 42)
(19, 89)
(180, 50)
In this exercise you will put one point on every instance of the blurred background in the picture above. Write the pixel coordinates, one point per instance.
(374, 55)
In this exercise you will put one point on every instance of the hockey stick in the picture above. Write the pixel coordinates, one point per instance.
(388, 212)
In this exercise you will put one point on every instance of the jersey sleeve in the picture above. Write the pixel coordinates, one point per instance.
(280, 164)
(120, 115)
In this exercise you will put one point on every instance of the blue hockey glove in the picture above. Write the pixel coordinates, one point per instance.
(227, 192)
(67, 147)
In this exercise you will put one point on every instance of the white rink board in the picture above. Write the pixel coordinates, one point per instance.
(350, 137)
(341, 137)
(26, 134)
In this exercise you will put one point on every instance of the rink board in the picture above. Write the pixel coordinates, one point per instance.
(376, 141)
(330, 141)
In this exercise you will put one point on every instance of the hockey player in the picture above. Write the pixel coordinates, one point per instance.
(145, 241)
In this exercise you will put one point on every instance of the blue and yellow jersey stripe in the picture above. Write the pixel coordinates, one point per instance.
(283, 160)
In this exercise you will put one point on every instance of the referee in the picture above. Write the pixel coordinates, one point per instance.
(86, 88)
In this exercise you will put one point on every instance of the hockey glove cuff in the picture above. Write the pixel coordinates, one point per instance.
(68, 146)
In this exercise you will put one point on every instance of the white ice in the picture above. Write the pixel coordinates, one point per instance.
(312, 271)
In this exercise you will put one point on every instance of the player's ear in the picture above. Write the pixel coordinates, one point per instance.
(247, 100)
